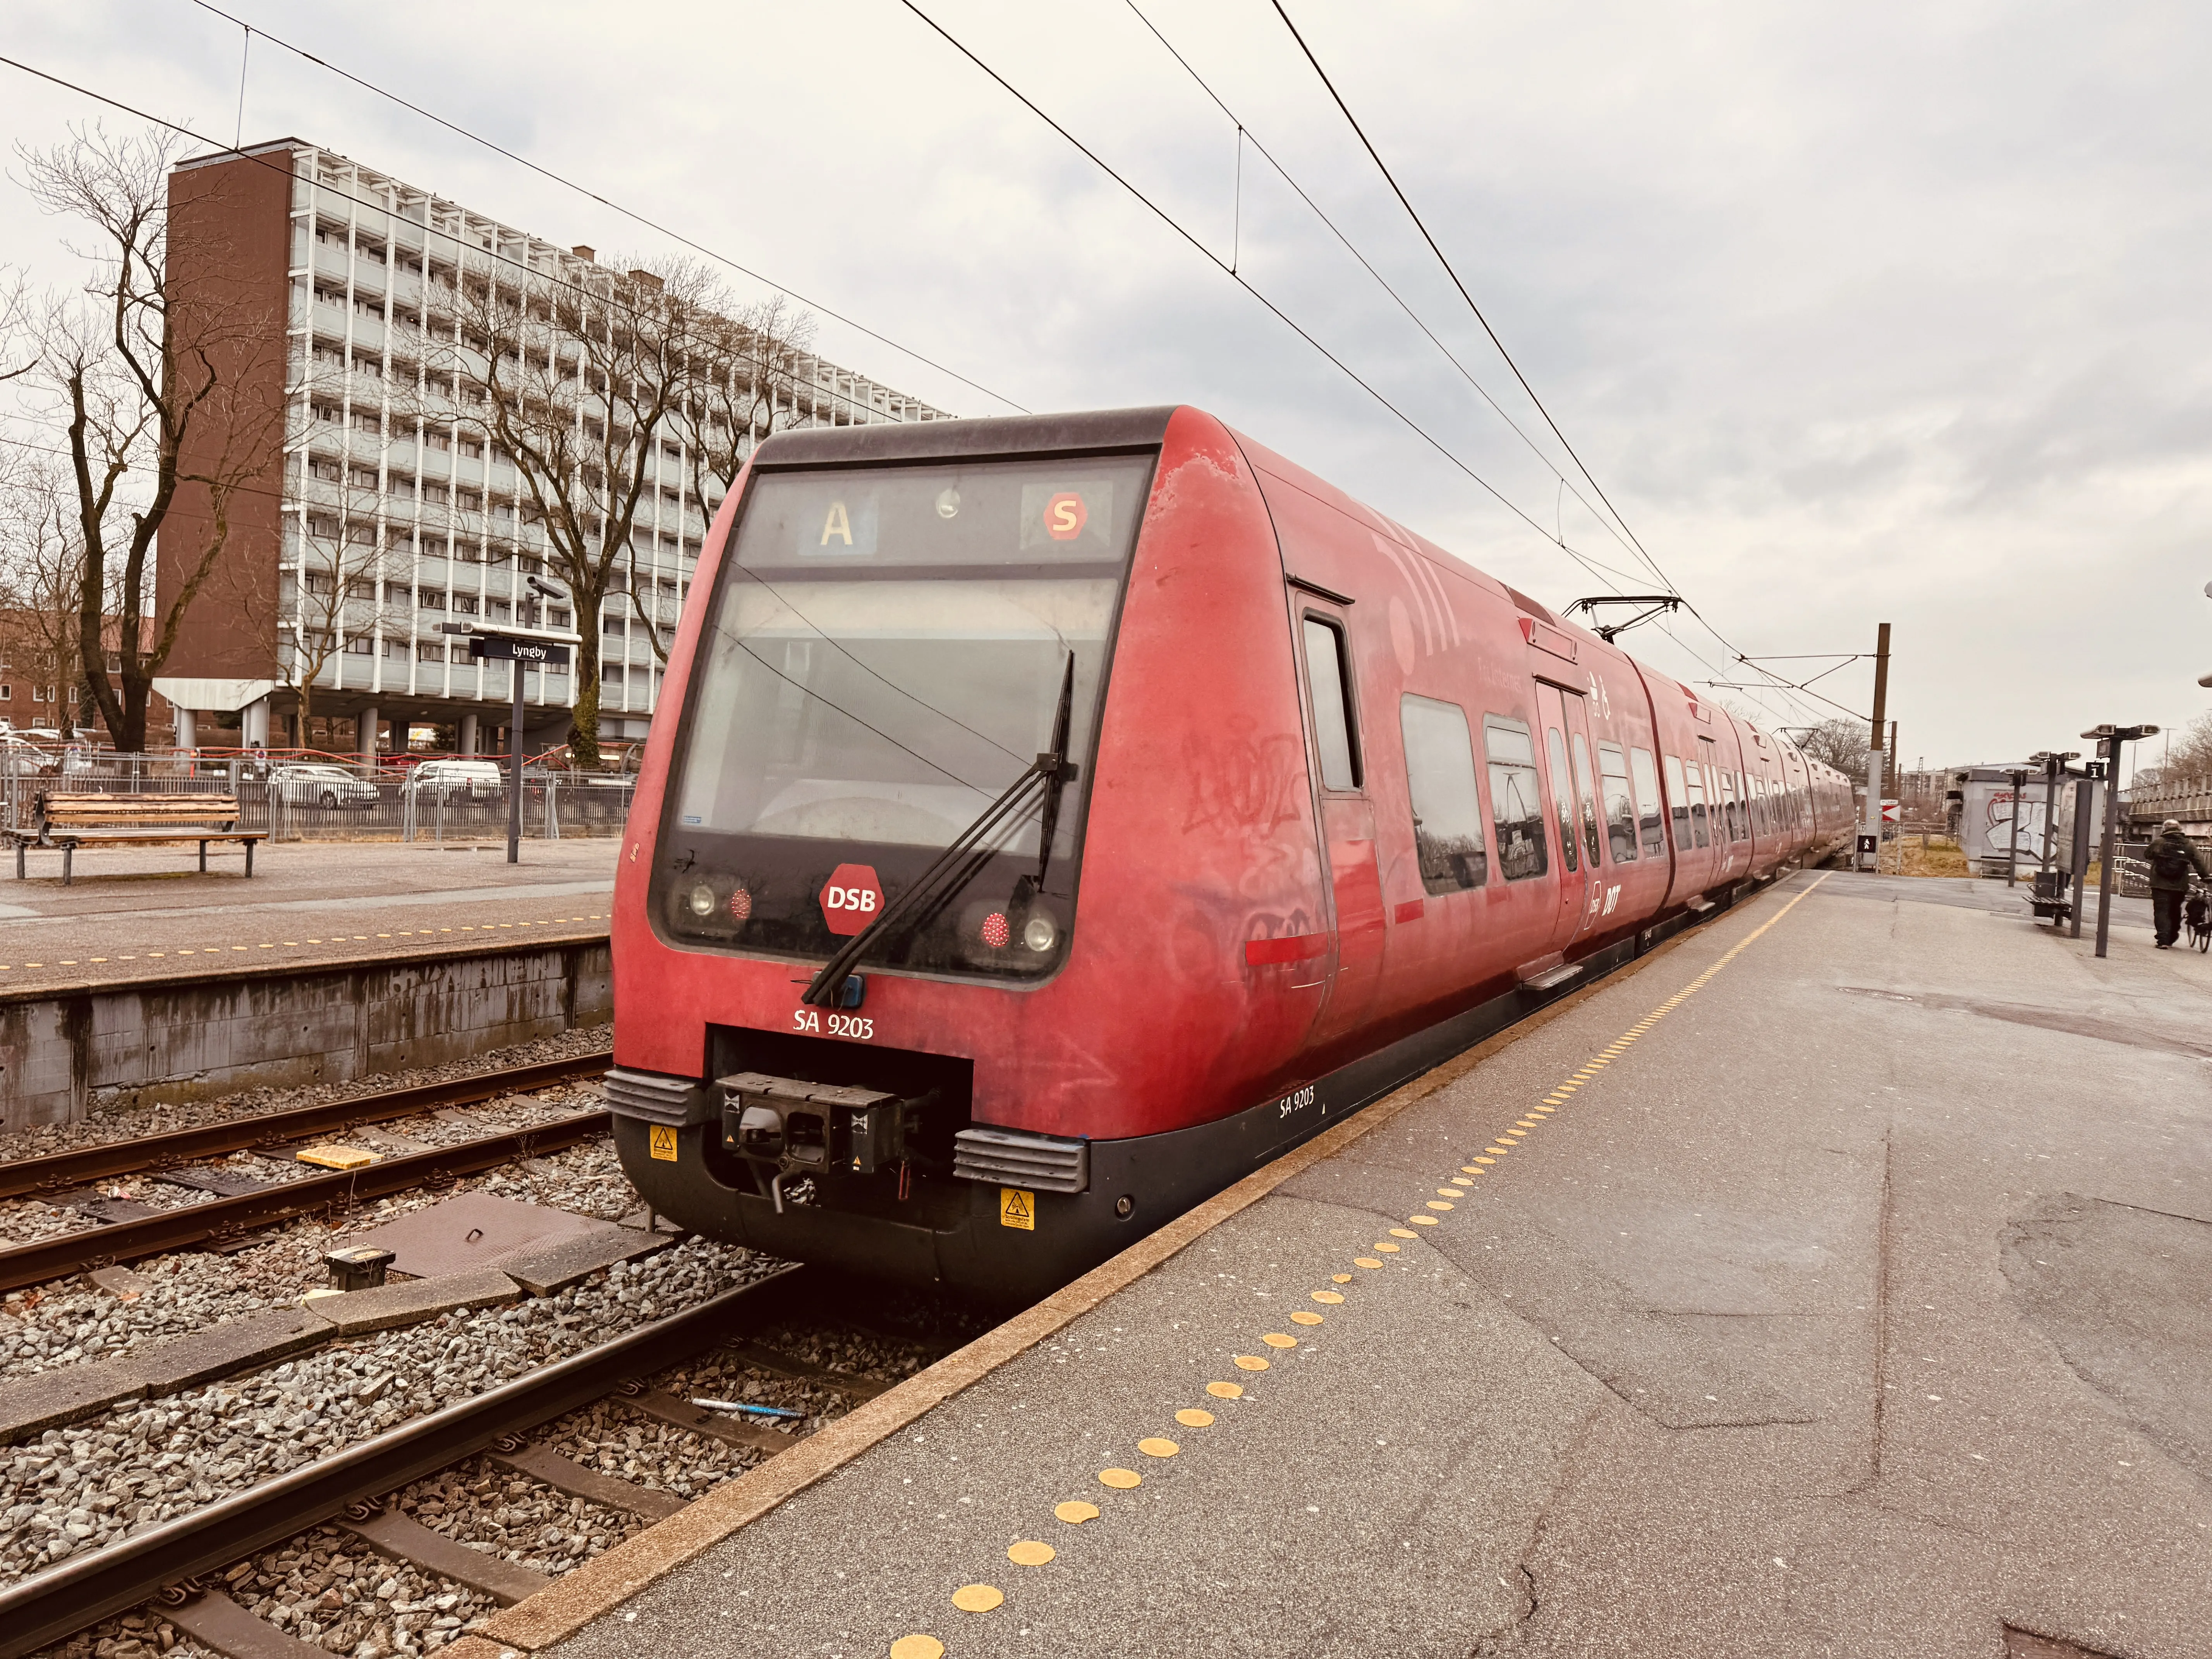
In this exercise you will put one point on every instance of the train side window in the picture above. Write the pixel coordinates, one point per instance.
(1563, 795)
(1679, 792)
(1447, 805)
(1620, 803)
(1699, 834)
(1517, 804)
(1651, 816)
(1328, 677)
(1730, 815)
(1586, 792)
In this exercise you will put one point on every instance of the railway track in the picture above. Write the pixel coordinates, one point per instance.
(179, 1573)
(228, 1217)
(168, 1563)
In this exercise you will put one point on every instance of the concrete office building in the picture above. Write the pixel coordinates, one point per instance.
(386, 512)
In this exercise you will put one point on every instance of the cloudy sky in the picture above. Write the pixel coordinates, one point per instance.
(1857, 314)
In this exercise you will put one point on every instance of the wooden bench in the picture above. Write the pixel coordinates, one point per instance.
(69, 819)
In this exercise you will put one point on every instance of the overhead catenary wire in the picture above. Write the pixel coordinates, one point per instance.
(631, 214)
(1246, 136)
(1593, 567)
(1452, 272)
(1596, 568)
(490, 255)
(1220, 264)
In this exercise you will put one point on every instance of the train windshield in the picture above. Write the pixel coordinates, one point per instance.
(886, 655)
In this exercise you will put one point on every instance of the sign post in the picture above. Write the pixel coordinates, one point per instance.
(1875, 768)
(518, 651)
(2109, 739)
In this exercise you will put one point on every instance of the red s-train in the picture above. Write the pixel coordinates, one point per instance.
(1054, 818)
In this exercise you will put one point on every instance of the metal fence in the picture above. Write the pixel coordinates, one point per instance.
(296, 808)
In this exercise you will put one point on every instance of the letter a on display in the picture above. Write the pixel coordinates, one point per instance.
(838, 525)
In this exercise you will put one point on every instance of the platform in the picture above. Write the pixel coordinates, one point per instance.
(146, 914)
(1848, 1301)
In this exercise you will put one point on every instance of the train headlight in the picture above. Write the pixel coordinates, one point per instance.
(948, 503)
(1039, 934)
(702, 900)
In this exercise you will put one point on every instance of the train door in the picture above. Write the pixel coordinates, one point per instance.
(1563, 715)
(1347, 819)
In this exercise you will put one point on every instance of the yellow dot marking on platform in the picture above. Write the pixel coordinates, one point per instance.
(1330, 1298)
(1303, 1318)
(1153, 1446)
(977, 1598)
(1461, 1182)
(1225, 1390)
(917, 1646)
(1392, 1249)
(1447, 1192)
(1525, 1122)
(1121, 1480)
(1438, 1204)
(1075, 1513)
(1277, 1340)
(1029, 1553)
(1486, 1160)
(1191, 1418)
(1365, 1261)
(1342, 1279)
(1500, 1151)
(1422, 1220)
(1250, 1363)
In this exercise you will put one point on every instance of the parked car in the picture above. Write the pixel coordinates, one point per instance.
(19, 757)
(455, 780)
(308, 783)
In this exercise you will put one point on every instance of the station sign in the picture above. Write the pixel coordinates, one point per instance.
(500, 647)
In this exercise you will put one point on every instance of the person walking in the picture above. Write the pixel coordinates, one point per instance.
(2174, 859)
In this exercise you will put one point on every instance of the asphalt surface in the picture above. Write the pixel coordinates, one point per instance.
(1856, 1306)
(139, 913)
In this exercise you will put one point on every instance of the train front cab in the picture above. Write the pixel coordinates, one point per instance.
(1056, 1041)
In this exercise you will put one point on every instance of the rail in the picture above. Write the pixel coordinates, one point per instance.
(81, 1591)
(60, 1171)
(223, 1219)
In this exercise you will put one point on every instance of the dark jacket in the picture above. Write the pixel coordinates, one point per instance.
(2173, 858)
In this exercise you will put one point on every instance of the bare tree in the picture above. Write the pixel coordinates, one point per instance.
(41, 559)
(338, 594)
(1838, 743)
(746, 384)
(2189, 760)
(575, 383)
(164, 394)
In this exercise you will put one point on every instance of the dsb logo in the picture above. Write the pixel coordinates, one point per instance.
(851, 898)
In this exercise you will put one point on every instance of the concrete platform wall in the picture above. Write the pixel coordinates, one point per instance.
(63, 1052)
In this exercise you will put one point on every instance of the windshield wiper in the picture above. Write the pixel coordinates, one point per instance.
(944, 877)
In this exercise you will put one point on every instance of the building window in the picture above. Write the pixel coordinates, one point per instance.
(360, 646)
(428, 653)
(429, 599)
(465, 604)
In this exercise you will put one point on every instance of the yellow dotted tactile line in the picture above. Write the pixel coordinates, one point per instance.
(1564, 1090)
(979, 1598)
(295, 945)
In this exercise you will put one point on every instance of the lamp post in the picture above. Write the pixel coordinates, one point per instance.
(2108, 739)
